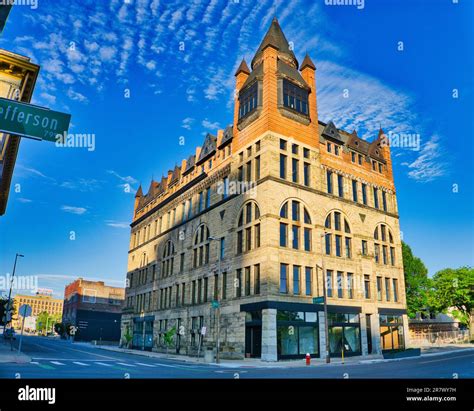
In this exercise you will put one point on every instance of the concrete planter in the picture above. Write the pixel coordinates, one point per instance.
(410, 352)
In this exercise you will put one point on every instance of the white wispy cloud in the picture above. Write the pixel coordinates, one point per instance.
(82, 184)
(24, 200)
(209, 125)
(117, 224)
(124, 179)
(187, 123)
(73, 209)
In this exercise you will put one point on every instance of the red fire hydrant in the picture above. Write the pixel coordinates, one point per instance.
(308, 359)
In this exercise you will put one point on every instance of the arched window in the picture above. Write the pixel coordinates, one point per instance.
(167, 260)
(338, 238)
(248, 228)
(295, 226)
(384, 248)
(201, 246)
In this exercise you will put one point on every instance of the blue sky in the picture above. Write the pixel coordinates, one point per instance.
(178, 59)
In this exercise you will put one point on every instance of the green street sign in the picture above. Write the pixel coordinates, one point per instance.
(215, 304)
(32, 121)
(318, 300)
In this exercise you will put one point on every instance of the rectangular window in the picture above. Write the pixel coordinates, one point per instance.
(364, 194)
(208, 197)
(377, 252)
(353, 157)
(282, 144)
(350, 285)
(340, 185)
(238, 286)
(296, 235)
(306, 174)
(248, 99)
(364, 247)
(338, 246)
(247, 281)
(257, 235)
(329, 181)
(199, 291)
(329, 283)
(395, 289)
(379, 288)
(284, 278)
(380, 168)
(387, 289)
(327, 239)
(190, 208)
(225, 183)
(294, 97)
(336, 149)
(384, 200)
(307, 239)
(374, 165)
(294, 172)
(348, 247)
(183, 294)
(392, 255)
(360, 159)
(216, 288)
(282, 166)
(181, 263)
(354, 190)
(193, 293)
(384, 254)
(248, 174)
(294, 148)
(240, 241)
(367, 286)
(241, 173)
(222, 248)
(257, 168)
(224, 286)
(306, 152)
(339, 284)
(376, 197)
(283, 234)
(256, 279)
(200, 204)
(296, 279)
(248, 239)
(328, 147)
(309, 280)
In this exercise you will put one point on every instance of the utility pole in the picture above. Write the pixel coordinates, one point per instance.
(218, 308)
(326, 322)
(7, 311)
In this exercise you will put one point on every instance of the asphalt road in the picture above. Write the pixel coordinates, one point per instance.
(52, 358)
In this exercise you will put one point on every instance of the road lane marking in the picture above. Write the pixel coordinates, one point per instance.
(447, 359)
(145, 365)
(127, 365)
(80, 363)
(56, 363)
(34, 362)
(102, 363)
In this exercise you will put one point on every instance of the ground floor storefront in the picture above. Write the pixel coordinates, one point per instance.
(273, 330)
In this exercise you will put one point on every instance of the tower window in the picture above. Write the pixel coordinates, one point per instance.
(295, 97)
(248, 99)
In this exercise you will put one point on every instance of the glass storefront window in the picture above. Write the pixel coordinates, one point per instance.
(287, 340)
(335, 339)
(351, 339)
(311, 317)
(308, 340)
(290, 316)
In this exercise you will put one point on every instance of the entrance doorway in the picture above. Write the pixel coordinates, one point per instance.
(369, 333)
(253, 341)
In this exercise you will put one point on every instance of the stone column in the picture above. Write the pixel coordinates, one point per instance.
(269, 335)
(375, 323)
(322, 335)
(406, 331)
(363, 334)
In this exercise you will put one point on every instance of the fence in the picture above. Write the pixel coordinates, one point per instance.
(434, 338)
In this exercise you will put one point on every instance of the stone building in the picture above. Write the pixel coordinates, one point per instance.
(94, 308)
(257, 219)
(39, 303)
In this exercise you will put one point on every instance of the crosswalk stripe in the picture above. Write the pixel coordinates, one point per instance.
(34, 362)
(127, 365)
(56, 363)
(145, 365)
(80, 363)
(104, 364)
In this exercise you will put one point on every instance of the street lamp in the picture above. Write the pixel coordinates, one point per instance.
(218, 309)
(326, 322)
(7, 311)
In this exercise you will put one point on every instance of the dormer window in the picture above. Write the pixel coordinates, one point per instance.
(295, 98)
(248, 100)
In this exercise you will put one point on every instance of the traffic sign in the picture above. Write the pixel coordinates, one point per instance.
(25, 310)
(32, 121)
(318, 300)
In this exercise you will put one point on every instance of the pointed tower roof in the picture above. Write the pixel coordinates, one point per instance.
(243, 68)
(139, 192)
(276, 39)
(307, 62)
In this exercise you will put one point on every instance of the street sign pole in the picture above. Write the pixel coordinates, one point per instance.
(25, 311)
(21, 335)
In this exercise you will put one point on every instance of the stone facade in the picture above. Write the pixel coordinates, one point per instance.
(239, 246)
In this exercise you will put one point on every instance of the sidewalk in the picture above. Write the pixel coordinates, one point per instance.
(257, 363)
(7, 355)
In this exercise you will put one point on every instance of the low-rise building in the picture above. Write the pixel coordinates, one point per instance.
(40, 303)
(94, 309)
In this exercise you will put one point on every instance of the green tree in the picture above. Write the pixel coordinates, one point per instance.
(169, 338)
(46, 320)
(417, 284)
(454, 289)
